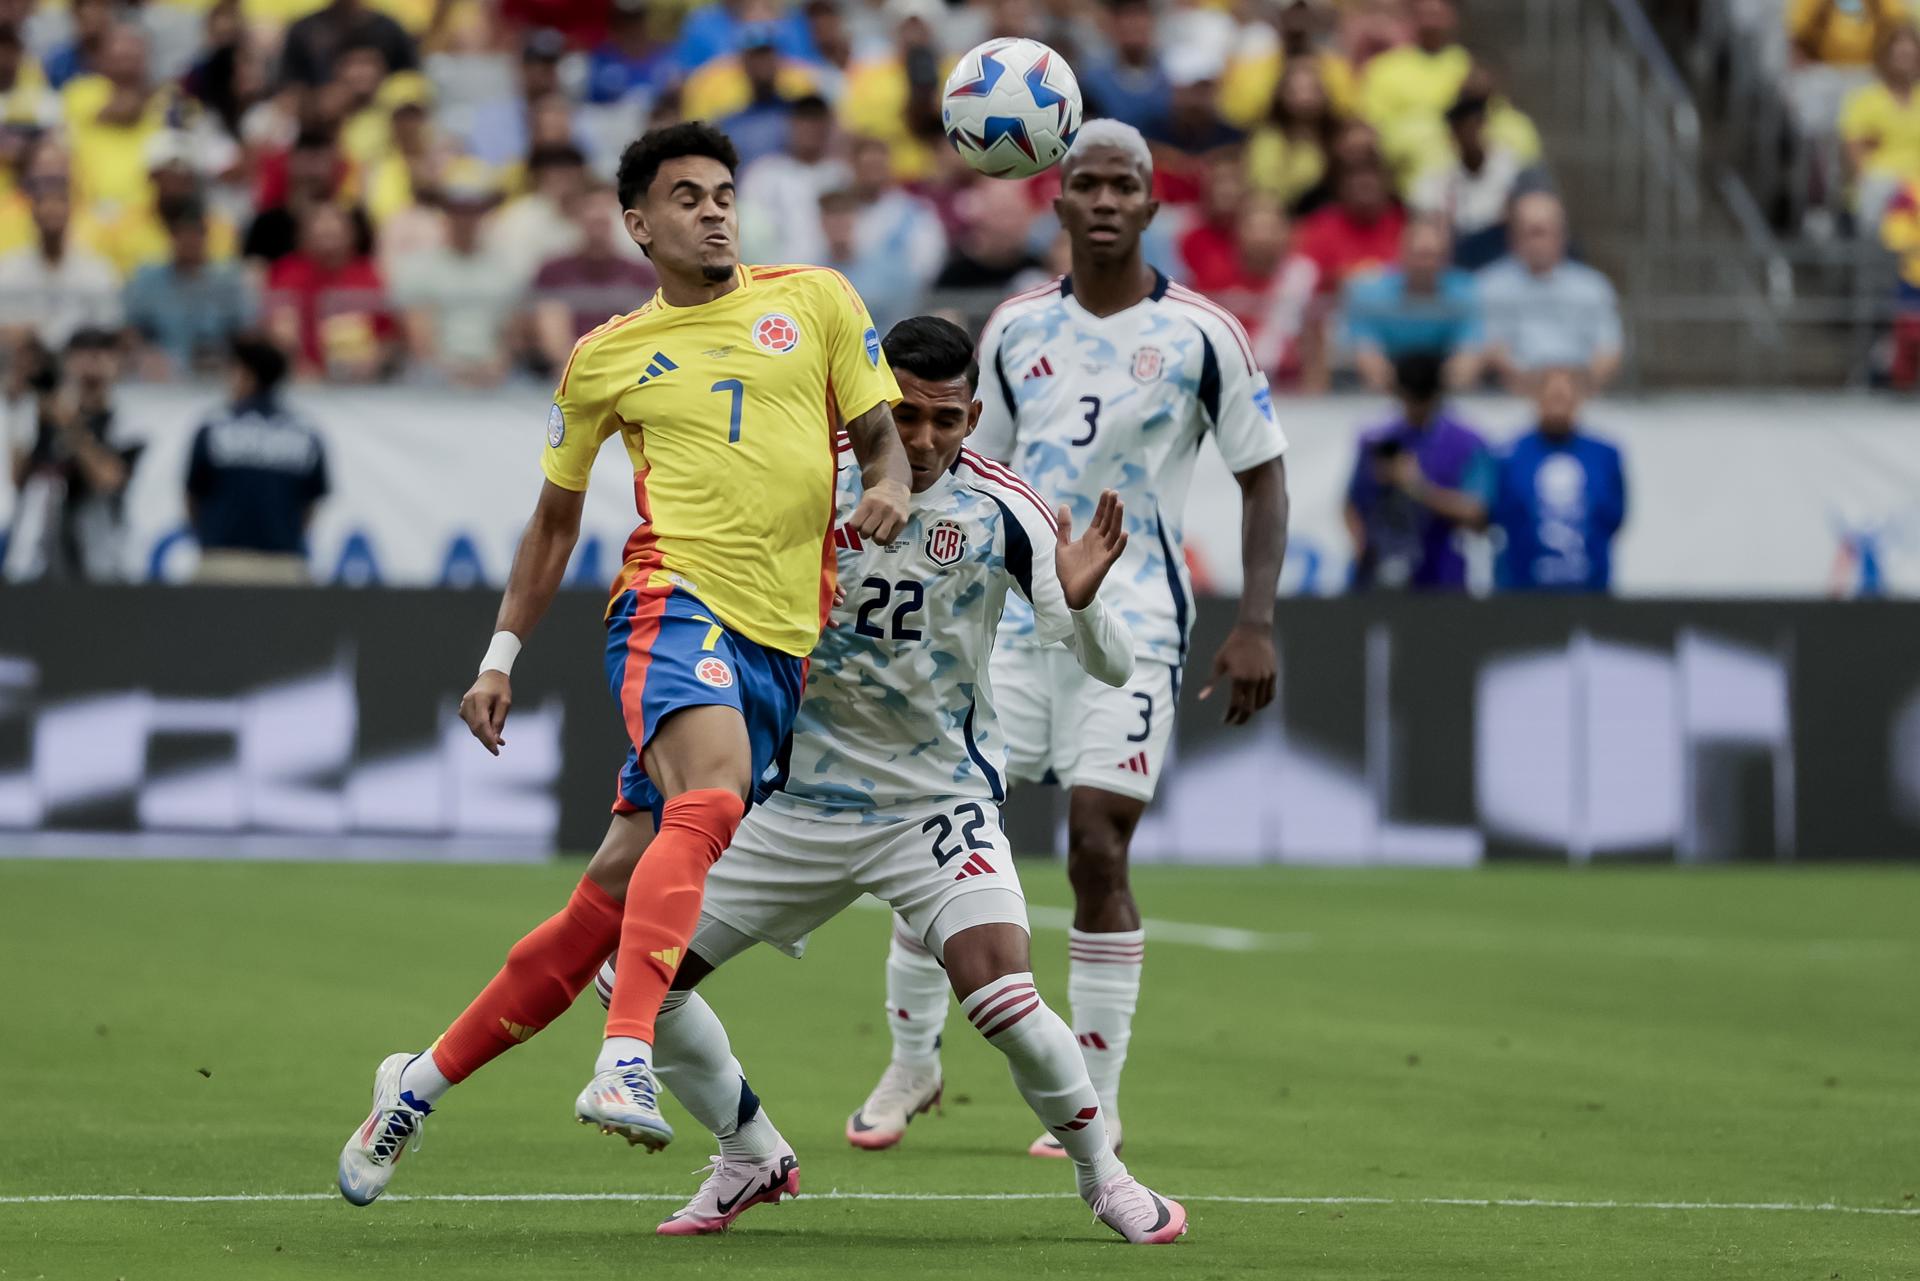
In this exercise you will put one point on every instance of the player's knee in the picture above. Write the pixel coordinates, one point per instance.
(1097, 866)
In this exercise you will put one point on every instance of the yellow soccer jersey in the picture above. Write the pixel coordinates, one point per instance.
(729, 411)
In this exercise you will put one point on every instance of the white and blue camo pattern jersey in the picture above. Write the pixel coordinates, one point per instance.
(897, 709)
(1077, 403)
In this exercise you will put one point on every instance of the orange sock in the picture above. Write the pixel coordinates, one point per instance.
(544, 972)
(663, 903)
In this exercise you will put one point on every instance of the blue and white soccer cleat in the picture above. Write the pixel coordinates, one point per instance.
(733, 1187)
(625, 1100)
(1137, 1212)
(902, 1094)
(390, 1131)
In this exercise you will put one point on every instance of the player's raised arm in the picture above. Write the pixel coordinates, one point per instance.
(1100, 640)
(884, 475)
(865, 387)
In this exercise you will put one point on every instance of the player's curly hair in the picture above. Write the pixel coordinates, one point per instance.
(931, 348)
(642, 159)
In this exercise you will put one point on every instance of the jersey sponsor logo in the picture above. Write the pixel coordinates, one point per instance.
(556, 427)
(718, 353)
(776, 332)
(1263, 401)
(872, 340)
(1042, 368)
(656, 366)
(713, 671)
(1147, 364)
(946, 542)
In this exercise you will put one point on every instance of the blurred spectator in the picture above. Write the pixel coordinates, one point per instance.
(993, 251)
(1360, 231)
(1833, 44)
(52, 288)
(414, 155)
(255, 472)
(582, 22)
(577, 291)
(1252, 86)
(832, 46)
(893, 92)
(894, 221)
(1404, 91)
(1559, 498)
(1192, 128)
(230, 75)
(69, 522)
(315, 41)
(80, 52)
(26, 103)
(1900, 232)
(135, 235)
(311, 174)
(712, 31)
(1209, 248)
(1543, 310)
(458, 303)
(538, 225)
(499, 128)
(629, 63)
(1128, 82)
(187, 308)
(1268, 291)
(1422, 305)
(326, 302)
(890, 294)
(1288, 153)
(753, 110)
(780, 193)
(1881, 125)
(1473, 191)
(110, 117)
(1419, 483)
(350, 103)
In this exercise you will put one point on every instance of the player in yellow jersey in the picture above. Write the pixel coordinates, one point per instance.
(728, 389)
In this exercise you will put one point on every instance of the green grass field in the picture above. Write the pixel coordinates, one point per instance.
(1651, 1038)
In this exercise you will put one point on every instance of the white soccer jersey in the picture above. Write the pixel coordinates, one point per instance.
(1077, 403)
(897, 708)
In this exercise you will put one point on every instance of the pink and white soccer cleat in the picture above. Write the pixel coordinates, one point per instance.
(1138, 1213)
(1049, 1145)
(903, 1093)
(731, 1189)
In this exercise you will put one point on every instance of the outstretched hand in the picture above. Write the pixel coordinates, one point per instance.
(485, 708)
(1082, 564)
(1247, 660)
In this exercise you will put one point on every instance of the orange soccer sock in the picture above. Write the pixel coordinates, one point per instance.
(544, 972)
(663, 904)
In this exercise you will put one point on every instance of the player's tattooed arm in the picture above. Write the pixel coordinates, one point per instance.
(885, 478)
(539, 564)
(1247, 659)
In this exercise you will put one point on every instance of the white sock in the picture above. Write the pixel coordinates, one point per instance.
(916, 999)
(616, 1050)
(1103, 985)
(423, 1079)
(1047, 1071)
(697, 1065)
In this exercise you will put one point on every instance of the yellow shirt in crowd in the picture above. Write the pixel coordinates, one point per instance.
(1849, 37)
(1246, 91)
(1873, 114)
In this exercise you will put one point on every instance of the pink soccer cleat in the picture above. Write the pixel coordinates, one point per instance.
(1138, 1213)
(732, 1188)
(902, 1094)
(1048, 1145)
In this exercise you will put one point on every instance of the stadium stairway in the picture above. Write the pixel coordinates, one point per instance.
(1712, 297)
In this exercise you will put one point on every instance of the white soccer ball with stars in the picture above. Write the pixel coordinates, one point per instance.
(1011, 107)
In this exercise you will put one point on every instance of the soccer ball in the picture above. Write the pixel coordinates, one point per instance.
(1011, 108)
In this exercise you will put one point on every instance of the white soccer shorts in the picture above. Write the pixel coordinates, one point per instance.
(1063, 726)
(943, 868)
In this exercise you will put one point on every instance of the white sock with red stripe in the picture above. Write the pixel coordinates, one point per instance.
(1047, 1070)
(916, 999)
(1103, 984)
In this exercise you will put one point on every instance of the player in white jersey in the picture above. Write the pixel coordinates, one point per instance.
(1108, 378)
(892, 787)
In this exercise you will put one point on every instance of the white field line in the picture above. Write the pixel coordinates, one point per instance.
(1217, 938)
(518, 1198)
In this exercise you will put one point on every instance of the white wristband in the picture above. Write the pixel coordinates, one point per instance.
(504, 648)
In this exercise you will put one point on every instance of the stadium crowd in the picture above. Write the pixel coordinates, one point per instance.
(419, 190)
